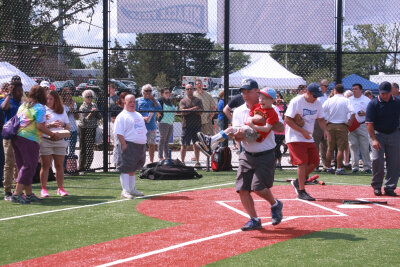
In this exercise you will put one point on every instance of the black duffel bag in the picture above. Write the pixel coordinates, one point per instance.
(168, 170)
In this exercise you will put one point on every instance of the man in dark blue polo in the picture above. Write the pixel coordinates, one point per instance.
(382, 120)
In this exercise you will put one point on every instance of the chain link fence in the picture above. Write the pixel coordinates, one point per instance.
(170, 44)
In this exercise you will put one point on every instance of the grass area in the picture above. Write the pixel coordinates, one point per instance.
(55, 232)
(331, 247)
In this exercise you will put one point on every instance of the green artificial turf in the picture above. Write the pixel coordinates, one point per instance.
(55, 232)
(331, 247)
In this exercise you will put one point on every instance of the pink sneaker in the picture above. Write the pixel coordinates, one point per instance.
(62, 192)
(44, 193)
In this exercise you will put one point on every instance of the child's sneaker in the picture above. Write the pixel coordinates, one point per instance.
(34, 198)
(44, 193)
(62, 192)
(136, 193)
(21, 199)
(203, 149)
(126, 195)
(205, 141)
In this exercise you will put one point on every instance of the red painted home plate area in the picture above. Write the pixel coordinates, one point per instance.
(210, 226)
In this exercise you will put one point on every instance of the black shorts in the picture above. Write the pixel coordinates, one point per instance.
(190, 134)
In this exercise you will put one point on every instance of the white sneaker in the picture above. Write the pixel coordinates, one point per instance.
(126, 195)
(136, 193)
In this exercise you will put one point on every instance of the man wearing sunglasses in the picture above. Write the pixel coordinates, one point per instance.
(191, 122)
(302, 149)
(145, 105)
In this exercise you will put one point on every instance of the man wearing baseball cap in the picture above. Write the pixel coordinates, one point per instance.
(382, 119)
(256, 161)
(302, 149)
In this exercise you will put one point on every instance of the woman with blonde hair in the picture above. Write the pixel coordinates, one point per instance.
(32, 118)
(56, 119)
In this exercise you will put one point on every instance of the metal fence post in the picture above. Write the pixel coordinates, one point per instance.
(105, 85)
(339, 29)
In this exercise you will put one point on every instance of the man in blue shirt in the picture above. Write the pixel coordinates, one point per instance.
(145, 105)
(383, 113)
(9, 106)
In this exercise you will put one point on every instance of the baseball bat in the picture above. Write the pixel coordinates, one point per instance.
(363, 202)
(312, 178)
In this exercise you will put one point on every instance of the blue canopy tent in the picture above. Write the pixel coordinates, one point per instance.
(354, 78)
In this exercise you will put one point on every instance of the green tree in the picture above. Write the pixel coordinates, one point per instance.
(161, 80)
(34, 21)
(365, 38)
(237, 60)
(306, 60)
(117, 62)
(194, 57)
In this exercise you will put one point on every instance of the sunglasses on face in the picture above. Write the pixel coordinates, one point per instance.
(89, 96)
(189, 89)
(148, 91)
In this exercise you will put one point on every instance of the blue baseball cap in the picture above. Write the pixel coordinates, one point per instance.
(249, 84)
(269, 92)
(315, 89)
(385, 87)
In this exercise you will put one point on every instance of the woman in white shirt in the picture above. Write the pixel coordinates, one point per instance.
(56, 119)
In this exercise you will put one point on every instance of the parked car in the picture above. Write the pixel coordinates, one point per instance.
(96, 86)
(40, 79)
(59, 85)
(177, 92)
(80, 88)
(133, 86)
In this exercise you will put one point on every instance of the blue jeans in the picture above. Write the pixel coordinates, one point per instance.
(71, 145)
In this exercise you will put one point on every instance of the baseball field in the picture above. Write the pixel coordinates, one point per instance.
(197, 222)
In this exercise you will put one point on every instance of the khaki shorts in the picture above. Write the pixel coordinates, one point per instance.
(48, 147)
(339, 136)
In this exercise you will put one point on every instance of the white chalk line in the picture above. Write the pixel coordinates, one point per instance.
(192, 242)
(109, 202)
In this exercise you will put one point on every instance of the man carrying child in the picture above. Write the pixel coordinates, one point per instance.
(257, 161)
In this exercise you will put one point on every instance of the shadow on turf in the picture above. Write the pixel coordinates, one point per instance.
(74, 200)
(290, 232)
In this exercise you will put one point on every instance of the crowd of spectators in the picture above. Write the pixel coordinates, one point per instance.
(43, 113)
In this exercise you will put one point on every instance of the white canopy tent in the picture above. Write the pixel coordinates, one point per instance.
(7, 71)
(268, 73)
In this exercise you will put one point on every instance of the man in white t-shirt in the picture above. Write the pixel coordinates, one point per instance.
(131, 131)
(336, 110)
(256, 162)
(358, 138)
(302, 149)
